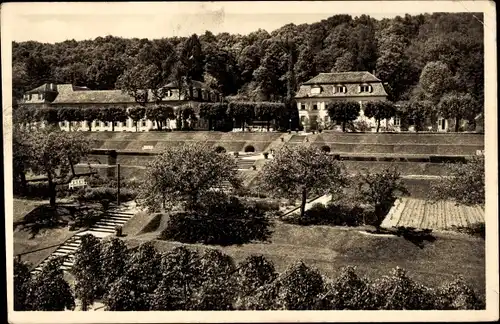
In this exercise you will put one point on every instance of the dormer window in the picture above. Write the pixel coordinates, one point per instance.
(40, 96)
(365, 88)
(169, 93)
(316, 90)
(340, 88)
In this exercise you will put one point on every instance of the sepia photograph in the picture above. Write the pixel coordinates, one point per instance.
(166, 159)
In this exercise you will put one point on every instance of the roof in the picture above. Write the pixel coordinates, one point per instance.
(70, 94)
(343, 77)
(352, 91)
(43, 88)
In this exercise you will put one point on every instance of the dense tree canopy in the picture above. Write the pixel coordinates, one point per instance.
(256, 66)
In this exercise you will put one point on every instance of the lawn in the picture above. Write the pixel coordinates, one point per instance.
(30, 234)
(331, 248)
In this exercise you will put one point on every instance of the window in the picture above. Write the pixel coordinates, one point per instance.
(29, 97)
(134, 123)
(302, 119)
(316, 90)
(40, 96)
(302, 107)
(397, 121)
(364, 88)
(340, 88)
(106, 124)
(143, 123)
(315, 107)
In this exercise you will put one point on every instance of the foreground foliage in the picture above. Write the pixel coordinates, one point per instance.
(188, 279)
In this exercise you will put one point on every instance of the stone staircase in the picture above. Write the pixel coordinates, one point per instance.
(103, 228)
(296, 140)
(244, 164)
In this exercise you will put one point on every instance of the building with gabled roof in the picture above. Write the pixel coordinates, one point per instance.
(68, 95)
(314, 95)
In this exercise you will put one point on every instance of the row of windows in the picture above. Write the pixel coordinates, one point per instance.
(343, 89)
(326, 119)
(30, 96)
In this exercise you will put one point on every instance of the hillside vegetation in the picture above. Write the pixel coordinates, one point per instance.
(270, 66)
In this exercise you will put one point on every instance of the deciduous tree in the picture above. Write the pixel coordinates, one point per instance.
(458, 106)
(465, 183)
(380, 190)
(345, 111)
(184, 173)
(55, 154)
(302, 172)
(136, 113)
(379, 110)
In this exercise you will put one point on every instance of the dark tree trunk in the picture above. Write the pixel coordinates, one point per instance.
(343, 125)
(52, 191)
(112, 126)
(303, 203)
(268, 122)
(378, 124)
(457, 123)
(90, 125)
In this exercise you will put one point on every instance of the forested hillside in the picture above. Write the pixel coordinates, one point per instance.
(270, 66)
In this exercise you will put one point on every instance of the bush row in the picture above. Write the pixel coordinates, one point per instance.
(184, 279)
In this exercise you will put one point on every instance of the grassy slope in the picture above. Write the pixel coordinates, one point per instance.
(329, 249)
(23, 240)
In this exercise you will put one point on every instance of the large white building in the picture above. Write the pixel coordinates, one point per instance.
(71, 96)
(315, 94)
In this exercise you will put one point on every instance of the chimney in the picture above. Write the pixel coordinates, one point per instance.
(373, 72)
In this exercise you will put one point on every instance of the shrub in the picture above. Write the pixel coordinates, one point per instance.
(220, 149)
(399, 292)
(249, 148)
(335, 214)
(361, 126)
(105, 195)
(325, 148)
(299, 288)
(218, 219)
(348, 291)
(475, 229)
(458, 295)
(253, 273)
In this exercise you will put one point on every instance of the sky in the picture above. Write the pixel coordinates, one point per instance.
(56, 22)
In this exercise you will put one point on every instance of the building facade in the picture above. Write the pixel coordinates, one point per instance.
(69, 96)
(315, 94)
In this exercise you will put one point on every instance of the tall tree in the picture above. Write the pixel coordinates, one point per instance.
(302, 172)
(435, 80)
